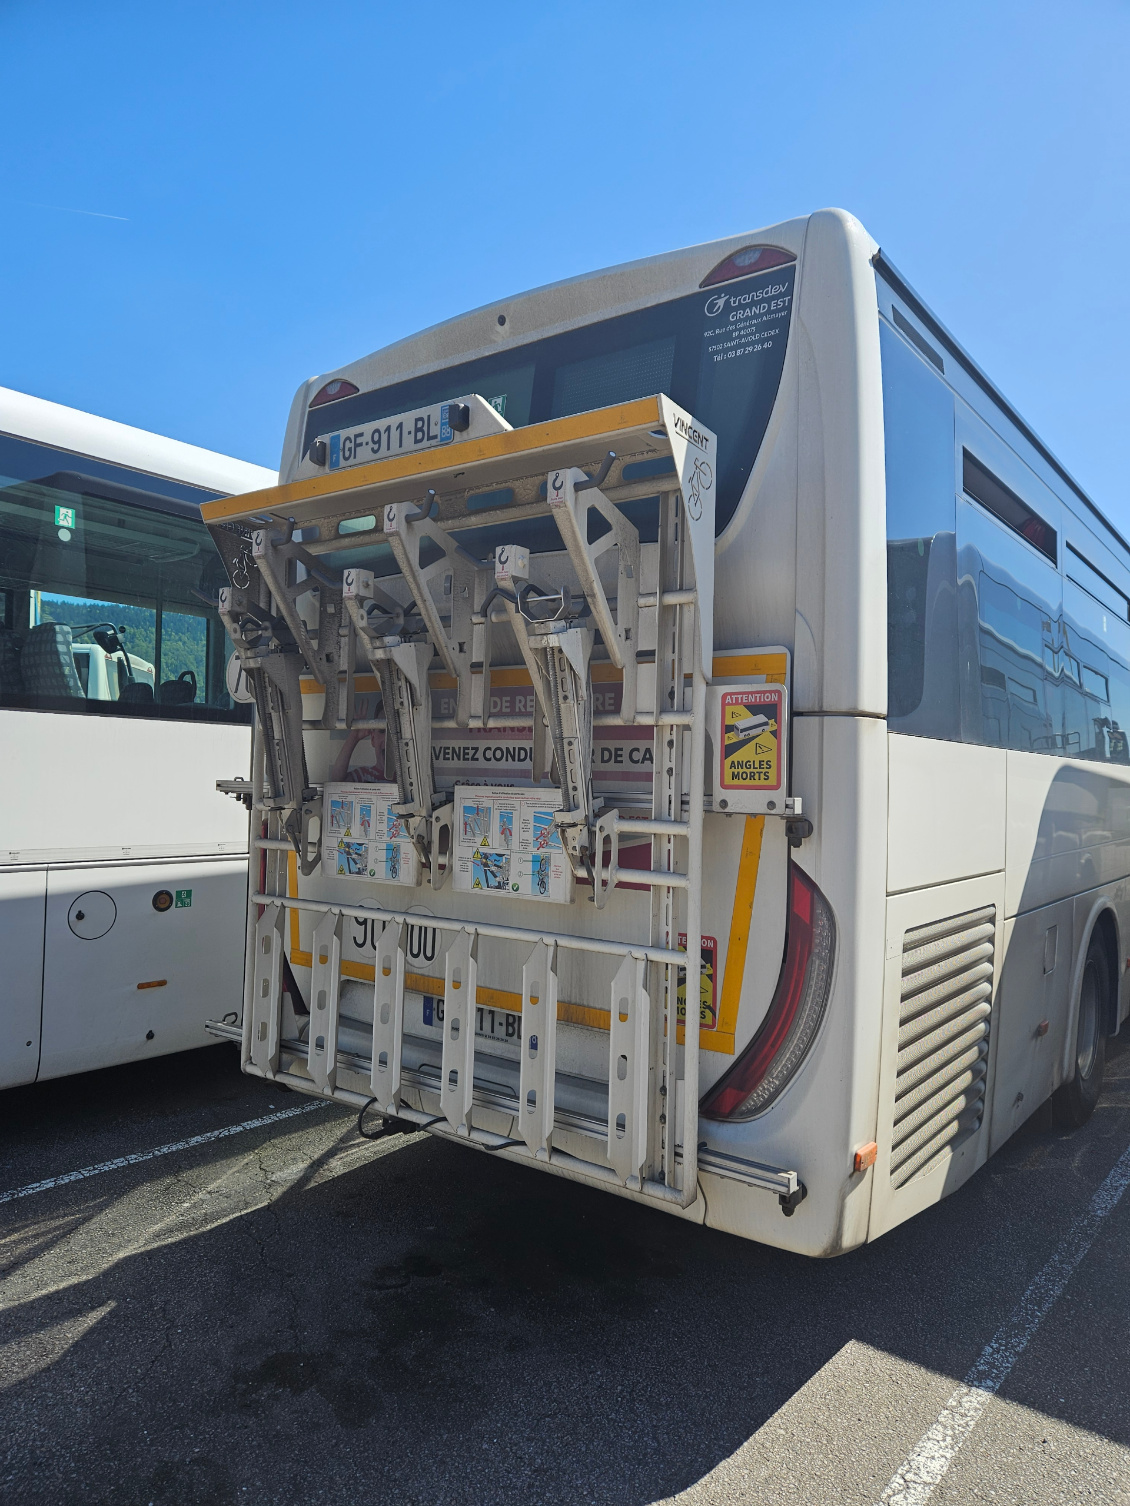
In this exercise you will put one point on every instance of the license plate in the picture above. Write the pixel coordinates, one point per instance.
(500, 1026)
(404, 434)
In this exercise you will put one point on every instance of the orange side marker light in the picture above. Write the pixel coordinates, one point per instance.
(865, 1156)
(155, 983)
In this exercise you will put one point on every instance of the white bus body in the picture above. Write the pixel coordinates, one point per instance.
(908, 947)
(109, 774)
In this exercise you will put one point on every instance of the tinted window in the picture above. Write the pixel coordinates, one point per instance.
(98, 587)
(987, 641)
(980, 483)
(1095, 583)
(1009, 609)
(918, 426)
(599, 381)
(718, 353)
(1094, 665)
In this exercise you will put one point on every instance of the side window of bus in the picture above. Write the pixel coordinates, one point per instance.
(1010, 622)
(1094, 661)
(100, 604)
(922, 659)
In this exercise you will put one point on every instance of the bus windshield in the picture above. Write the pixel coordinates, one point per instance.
(103, 572)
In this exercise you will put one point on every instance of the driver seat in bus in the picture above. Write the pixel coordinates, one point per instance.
(48, 663)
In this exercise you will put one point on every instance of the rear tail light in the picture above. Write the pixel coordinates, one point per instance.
(330, 393)
(746, 261)
(788, 1030)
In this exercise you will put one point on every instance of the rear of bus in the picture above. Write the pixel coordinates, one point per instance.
(770, 341)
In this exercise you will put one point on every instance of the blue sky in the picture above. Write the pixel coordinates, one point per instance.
(203, 204)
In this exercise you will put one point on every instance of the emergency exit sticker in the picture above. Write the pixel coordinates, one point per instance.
(750, 740)
(184, 899)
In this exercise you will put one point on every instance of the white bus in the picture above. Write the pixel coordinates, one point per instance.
(121, 875)
(721, 595)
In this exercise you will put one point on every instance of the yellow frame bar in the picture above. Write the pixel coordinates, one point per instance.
(641, 414)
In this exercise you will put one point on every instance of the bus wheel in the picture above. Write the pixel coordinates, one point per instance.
(1074, 1102)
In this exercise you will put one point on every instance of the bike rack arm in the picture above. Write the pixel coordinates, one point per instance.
(570, 494)
(407, 528)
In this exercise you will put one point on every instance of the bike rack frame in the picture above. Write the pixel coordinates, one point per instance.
(566, 470)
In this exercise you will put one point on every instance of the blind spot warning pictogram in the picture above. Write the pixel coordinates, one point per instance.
(750, 742)
(708, 992)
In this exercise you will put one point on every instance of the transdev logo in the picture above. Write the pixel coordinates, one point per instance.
(718, 301)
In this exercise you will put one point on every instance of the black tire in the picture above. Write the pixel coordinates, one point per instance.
(1074, 1102)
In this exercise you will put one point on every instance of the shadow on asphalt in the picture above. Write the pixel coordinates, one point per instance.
(432, 1325)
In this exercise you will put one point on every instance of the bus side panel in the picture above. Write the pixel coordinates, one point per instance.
(1035, 991)
(100, 788)
(946, 818)
(1068, 828)
(1068, 860)
(891, 1204)
(22, 900)
(146, 984)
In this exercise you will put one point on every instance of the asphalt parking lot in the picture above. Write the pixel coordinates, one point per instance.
(289, 1313)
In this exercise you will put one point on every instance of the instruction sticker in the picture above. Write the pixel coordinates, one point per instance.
(506, 843)
(364, 838)
(750, 739)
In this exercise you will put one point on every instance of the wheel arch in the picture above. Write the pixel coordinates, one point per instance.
(1102, 923)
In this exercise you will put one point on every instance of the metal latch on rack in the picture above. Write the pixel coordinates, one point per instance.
(400, 658)
(443, 589)
(272, 664)
(239, 789)
(555, 634)
(555, 640)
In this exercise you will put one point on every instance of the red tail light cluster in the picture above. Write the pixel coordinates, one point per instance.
(788, 1030)
(330, 393)
(746, 261)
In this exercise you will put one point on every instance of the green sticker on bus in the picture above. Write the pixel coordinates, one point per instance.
(184, 899)
(64, 517)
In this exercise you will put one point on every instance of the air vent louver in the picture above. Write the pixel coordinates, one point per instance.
(946, 1003)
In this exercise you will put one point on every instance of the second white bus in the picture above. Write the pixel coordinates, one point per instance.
(121, 874)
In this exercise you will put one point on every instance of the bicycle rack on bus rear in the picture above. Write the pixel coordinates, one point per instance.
(446, 605)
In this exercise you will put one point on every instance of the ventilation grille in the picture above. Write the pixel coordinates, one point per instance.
(946, 1001)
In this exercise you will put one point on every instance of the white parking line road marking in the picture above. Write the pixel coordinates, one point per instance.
(159, 1150)
(189, 1198)
(914, 1481)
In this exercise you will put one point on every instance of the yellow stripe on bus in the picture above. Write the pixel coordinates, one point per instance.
(722, 1039)
(504, 679)
(773, 666)
(491, 998)
(741, 922)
